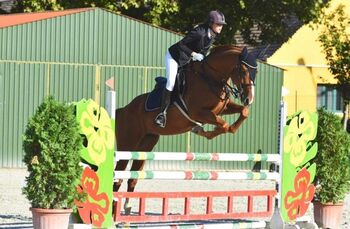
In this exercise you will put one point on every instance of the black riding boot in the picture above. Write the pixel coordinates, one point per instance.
(160, 120)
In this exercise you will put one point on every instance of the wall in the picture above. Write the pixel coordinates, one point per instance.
(305, 66)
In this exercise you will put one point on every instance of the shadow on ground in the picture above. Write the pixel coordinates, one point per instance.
(21, 222)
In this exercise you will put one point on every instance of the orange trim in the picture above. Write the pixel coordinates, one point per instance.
(186, 215)
(22, 18)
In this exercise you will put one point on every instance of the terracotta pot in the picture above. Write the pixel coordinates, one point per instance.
(328, 215)
(50, 218)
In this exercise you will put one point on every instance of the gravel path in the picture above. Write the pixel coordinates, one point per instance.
(14, 208)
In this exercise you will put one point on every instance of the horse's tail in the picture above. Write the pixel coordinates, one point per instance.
(117, 113)
(129, 124)
(124, 119)
(118, 120)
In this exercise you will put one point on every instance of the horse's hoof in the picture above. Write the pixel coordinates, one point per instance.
(197, 129)
(127, 211)
(209, 137)
(245, 112)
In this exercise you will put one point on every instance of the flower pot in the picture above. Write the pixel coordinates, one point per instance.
(328, 215)
(50, 218)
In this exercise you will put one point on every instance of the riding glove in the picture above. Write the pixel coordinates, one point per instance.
(197, 56)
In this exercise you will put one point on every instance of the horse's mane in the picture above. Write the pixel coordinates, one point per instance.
(223, 48)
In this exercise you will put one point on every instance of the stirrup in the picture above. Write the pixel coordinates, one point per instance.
(160, 120)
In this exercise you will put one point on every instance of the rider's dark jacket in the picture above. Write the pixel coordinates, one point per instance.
(197, 40)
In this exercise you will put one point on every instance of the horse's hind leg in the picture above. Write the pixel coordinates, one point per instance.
(147, 144)
(128, 137)
(121, 166)
(137, 165)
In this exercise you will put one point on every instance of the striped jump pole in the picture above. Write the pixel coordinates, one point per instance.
(189, 156)
(194, 175)
(281, 177)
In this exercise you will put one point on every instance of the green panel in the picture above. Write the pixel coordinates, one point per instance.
(95, 36)
(151, 76)
(71, 83)
(72, 51)
(133, 43)
(129, 82)
(65, 56)
(22, 90)
(23, 87)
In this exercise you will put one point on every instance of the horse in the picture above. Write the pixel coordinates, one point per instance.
(207, 97)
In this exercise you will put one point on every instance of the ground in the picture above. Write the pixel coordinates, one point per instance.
(14, 208)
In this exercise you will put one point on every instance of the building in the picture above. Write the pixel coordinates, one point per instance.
(70, 54)
(306, 76)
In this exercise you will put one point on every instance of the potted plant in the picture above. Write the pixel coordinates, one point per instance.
(333, 170)
(51, 145)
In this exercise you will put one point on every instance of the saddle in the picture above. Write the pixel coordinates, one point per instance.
(153, 99)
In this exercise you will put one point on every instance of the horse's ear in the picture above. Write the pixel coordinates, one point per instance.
(250, 61)
(247, 58)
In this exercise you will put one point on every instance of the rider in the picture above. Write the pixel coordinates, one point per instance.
(195, 45)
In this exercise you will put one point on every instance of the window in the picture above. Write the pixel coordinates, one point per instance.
(329, 97)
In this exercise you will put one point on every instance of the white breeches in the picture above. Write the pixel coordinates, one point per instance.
(171, 71)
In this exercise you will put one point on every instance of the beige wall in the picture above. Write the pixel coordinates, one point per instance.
(305, 66)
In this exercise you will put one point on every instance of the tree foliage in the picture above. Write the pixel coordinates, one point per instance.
(51, 144)
(332, 159)
(270, 17)
(335, 40)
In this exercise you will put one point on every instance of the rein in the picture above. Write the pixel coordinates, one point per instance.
(215, 84)
(227, 88)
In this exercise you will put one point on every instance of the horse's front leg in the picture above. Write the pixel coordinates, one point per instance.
(233, 108)
(210, 118)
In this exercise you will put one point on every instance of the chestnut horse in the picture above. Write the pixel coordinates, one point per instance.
(207, 95)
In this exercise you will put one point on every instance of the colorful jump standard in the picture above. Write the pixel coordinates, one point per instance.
(295, 185)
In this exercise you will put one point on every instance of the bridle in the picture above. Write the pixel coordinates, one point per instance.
(235, 91)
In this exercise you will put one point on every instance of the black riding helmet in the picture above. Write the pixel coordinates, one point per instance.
(216, 17)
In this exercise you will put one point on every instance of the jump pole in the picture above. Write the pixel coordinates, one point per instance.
(276, 220)
(189, 175)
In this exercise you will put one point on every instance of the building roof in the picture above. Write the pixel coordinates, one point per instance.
(264, 51)
(7, 20)
(260, 51)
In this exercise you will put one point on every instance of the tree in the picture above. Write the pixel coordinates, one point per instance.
(270, 17)
(152, 11)
(335, 40)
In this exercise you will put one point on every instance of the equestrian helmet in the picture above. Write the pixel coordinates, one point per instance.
(216, 17)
